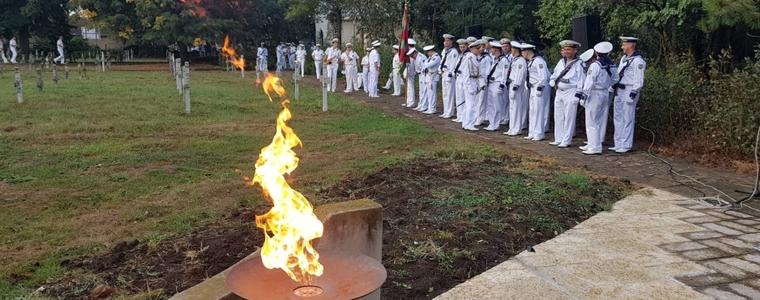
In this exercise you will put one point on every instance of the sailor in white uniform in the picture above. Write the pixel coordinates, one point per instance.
(627, 91)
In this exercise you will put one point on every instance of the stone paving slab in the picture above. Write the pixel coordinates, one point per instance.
(634, 251)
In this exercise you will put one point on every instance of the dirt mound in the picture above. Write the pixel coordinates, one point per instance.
(165, 267)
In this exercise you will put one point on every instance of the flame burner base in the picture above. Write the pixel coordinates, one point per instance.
(346, 276)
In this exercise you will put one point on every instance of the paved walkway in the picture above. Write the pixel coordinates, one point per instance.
(655, 244)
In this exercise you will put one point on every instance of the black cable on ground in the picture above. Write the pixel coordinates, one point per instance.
(734, 203)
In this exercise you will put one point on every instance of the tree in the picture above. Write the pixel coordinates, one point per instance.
(44, 19)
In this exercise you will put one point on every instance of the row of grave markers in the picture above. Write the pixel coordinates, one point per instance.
(18, 82)
(181, 75)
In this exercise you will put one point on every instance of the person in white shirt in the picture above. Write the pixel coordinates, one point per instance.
(477, 67)
(461, 74)
(262, 55)
(301, 58)
(595, 98)
(364, 78)
(59, 46)
(12, 46)
(410, 74)
(448, 79)
(627, 91)
(349, 59)
(567, 79)
(518, 104)
(374, 69)
(497, 86)
(332, 57)
(430, 70)
(539, 93)
(395, 76)
(317, 55)
(506, 48)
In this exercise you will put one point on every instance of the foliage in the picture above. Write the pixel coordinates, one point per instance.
(716, 112)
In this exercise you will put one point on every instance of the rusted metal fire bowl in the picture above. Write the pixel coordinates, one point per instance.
(346, 276)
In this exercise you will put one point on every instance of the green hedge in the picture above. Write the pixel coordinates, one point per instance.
(717, 110)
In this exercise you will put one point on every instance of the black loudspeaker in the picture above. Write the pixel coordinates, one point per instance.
(587, 31)
(474, 30)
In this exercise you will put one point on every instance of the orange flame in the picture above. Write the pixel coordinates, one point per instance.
(291, 225)
(231, 54)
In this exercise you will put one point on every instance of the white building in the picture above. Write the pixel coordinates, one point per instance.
(349, 31)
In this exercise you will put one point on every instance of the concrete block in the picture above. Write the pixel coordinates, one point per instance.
(351, 226)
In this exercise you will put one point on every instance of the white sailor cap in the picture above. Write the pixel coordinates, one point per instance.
(487, 38)
(376, 43)
(428, 48)
(471, 39)
(448, 36)
(335, 40)
(603, 47)
(411, 51)
(526, 46)
(396, 47)
(411, 42)
(505, 41)
(349, 45)
(461, 41)
(515, 44)
(315, 45)
(477, 43)
(569, 43)
(495, 44)
(629, 39)
(588, 54)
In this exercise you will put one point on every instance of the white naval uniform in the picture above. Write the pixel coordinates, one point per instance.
(540, 94)
(518, 104)
(497, 85)
(505, 104)
(596, 88)
(485, 62)
(280, 62)
(631, 75)
(431, 82)
(301, 59)
(461, 73)
(12, 46)
(374, 72)
(365, 73)
(565, 102)
(261, 59)
(350, 59)
(292, 57)
(317, 55)
(419, 64)
(60, 58)
(471, 85)
(333, 56)
(448, 81)
(411, 73)
(396, 75)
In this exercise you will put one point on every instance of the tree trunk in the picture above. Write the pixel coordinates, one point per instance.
(23, 39)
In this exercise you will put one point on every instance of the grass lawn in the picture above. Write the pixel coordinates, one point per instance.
(84, 164)
(88, 163)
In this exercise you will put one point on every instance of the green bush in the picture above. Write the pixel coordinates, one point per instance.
(717, 111)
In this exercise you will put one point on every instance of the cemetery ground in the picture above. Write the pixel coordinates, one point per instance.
(108, 189)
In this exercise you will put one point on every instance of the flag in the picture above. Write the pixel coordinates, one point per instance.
(405, 32)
